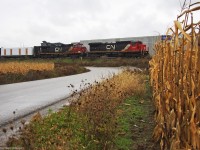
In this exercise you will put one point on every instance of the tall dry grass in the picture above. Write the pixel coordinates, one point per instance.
(97, 105)
(24, 67)
(175, 79)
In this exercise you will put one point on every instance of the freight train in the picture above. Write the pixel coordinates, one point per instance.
(47, 49)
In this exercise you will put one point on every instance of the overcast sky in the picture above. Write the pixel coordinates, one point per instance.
(29, 22)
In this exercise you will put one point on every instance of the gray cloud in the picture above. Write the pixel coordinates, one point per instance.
(31, 21)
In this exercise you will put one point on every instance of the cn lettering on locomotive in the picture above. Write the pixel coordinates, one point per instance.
(110, 47)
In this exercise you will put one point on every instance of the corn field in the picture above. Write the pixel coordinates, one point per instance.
(175, 78)
(24, 67)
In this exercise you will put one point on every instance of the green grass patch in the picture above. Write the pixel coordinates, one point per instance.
(56, 130)
(129, 113)
(136, 123)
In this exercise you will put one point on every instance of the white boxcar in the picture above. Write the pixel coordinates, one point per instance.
(16, 52)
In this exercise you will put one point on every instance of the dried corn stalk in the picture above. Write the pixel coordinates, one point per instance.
(175, 78)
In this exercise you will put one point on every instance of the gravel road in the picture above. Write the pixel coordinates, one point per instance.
(27, 97)
(21, 100)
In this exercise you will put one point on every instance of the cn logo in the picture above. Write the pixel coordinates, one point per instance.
(110, 47)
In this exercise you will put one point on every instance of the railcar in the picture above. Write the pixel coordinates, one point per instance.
(119, 48)
(48, 49)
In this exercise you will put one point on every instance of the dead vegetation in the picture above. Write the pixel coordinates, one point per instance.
(175, 77)
(25, 67)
